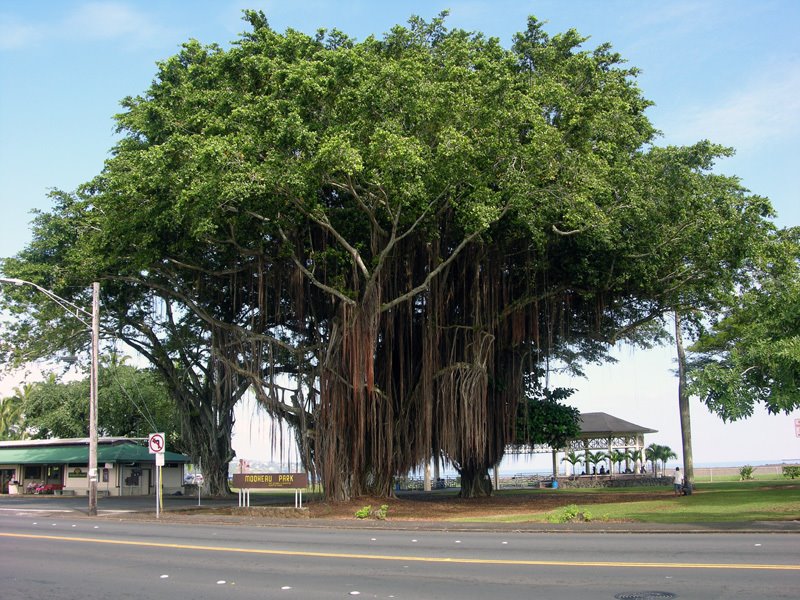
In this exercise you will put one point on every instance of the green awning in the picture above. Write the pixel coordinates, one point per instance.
(79, 454)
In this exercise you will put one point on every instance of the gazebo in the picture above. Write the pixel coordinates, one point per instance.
(599, 432)
(603, 432)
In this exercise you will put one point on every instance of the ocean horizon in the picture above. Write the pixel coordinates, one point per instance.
(509, 471)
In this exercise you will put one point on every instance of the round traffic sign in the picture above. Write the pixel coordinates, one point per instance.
(156, 444)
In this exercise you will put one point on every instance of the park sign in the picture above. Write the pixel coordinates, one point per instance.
(253, 481)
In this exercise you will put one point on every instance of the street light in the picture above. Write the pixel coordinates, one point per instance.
(95, 329)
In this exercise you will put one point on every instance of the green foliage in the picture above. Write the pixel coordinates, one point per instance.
(752, 355)
(595, 458)
(542, 418)
(791, 471)
(617, 457)
(746, 473)
(12, 423)
(569, 514)
(131, 403)
(656, 453)
(367, 512)
(572, 458)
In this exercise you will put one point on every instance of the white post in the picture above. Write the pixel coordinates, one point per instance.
(158, 474)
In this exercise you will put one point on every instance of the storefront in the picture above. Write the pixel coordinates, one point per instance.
(60, 466)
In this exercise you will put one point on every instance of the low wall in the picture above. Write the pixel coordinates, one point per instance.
(613, 482)
(712, 472)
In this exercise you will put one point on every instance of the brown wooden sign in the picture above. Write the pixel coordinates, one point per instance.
(254, 481)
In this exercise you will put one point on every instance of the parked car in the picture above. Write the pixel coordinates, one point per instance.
(193, 479)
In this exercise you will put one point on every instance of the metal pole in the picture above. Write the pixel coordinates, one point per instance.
(93, 399)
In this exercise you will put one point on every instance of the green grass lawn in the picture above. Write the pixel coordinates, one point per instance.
(759, 500)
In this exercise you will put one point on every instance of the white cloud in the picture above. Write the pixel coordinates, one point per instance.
(86, 22)
(16, 34)
(671, 14)
(107, 20)
(765, 109)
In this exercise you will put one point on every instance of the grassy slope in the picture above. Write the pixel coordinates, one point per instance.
(712, 502)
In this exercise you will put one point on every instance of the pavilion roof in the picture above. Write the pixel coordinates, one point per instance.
(600, 424)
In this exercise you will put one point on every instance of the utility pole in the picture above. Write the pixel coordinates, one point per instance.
(93, 399)
(77, 311)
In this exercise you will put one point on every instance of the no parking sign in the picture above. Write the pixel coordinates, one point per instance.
(157, 445)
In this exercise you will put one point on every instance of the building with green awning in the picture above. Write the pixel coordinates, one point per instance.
(125, 467)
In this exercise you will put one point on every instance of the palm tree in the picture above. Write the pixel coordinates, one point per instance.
(635, 457)
(572, 458)
(665, 454)
(617, 457)
(12, 421)
(652, 454)
(594, 458)
(656, 453)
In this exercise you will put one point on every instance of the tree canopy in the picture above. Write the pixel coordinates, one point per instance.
(402, 228)
(131, 403)
(751, 355)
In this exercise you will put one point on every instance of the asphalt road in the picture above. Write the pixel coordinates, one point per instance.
(56, 555)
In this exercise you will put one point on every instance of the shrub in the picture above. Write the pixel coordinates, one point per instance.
(746, 472)
(792, 471)
(569, 514)
(368, 512)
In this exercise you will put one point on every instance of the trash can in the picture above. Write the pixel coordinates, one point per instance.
(555, 484)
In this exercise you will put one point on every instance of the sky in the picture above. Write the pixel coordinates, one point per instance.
(724, 70)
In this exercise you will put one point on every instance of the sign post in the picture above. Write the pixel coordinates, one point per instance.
(156, 445)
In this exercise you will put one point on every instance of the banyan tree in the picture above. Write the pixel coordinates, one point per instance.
(402, 229)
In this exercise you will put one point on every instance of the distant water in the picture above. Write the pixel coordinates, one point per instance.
(752, 463)
(511, 470)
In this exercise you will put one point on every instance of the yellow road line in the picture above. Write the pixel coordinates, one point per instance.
(427, 559)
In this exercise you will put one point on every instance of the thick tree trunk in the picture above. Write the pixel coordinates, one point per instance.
(475, 482)
(355, 438)
(216, 453)
(207, 430)
(683, 406)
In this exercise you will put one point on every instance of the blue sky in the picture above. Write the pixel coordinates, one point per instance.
(726, 70)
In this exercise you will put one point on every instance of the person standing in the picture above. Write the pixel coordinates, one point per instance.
(678, 481)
